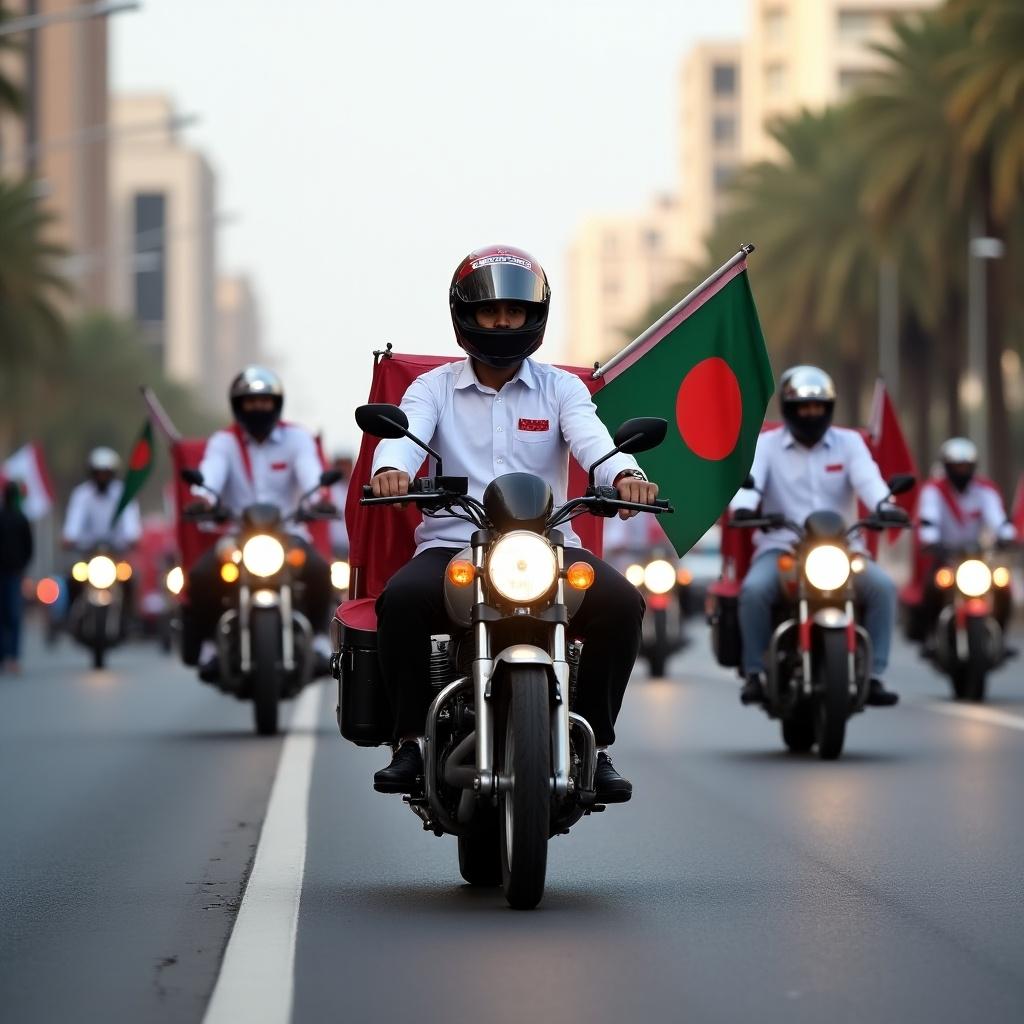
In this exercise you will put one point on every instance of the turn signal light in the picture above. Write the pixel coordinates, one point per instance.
(124, 572)
(580, 575)
(944, 578)
(858, 564)
(786, 563)
(684, 577)
(296, 558)
(461, 572)
(80, 572)
(229, 572)
(47, 590)
(1001, 576)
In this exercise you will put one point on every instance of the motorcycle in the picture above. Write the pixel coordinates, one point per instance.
(98, 615)
(264, 643)
(819, 658)
(507, 763)
(665, 591)
(968, 605)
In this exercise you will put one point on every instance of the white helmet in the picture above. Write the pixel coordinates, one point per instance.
(104, 460)
(959, 458)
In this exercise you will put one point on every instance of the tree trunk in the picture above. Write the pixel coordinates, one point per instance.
(999, 294)
(951, 345)
(918, 355)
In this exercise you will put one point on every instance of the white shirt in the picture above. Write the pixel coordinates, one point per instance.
(280, 469)
(87, 520)
(959, 525)
(797, 481)
(529, 426)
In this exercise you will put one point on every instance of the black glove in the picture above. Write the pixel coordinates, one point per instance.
(745, 514)
(893, 515)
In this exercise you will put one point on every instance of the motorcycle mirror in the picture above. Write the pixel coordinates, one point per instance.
(382, 420)
(329, 477)
(900, 483)
(193, 477)
(640, 434)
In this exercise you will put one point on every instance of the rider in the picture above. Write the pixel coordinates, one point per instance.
(953, 509)
(805, 466)
(259, 458)
(499, 411)
(89, 520)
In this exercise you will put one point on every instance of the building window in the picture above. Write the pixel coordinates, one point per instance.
(149, 267)
(775, 79)
(723, 129)
(852, 79)
(723, 175)
(652, 239)
(775, 25)
(723, 79)
(855, 26)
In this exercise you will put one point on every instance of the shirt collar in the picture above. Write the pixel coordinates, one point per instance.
(827, 440)
(467, 376)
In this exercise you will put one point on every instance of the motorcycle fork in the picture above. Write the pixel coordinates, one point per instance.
(483, 665)
(244, 636)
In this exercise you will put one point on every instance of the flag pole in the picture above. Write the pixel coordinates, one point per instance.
(744, 252)
(159, 415)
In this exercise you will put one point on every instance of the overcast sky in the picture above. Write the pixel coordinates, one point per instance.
(365, 147)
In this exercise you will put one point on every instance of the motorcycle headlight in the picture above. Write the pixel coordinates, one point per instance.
(101, 572)
(635, 575)
(827, 567)
(263, 555)
(659, 576)
(522, 566)
(973, 578)
(176, 580)
(340, 575)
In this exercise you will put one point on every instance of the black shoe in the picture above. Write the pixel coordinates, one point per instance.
(209, 670)
(611, 787)
(753, 690)
(879, 696)
(403, 774)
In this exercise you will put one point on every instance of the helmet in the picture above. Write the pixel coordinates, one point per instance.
(959, 458)
(799, 386)
(495, 273)
(104, 460)
(256, 382)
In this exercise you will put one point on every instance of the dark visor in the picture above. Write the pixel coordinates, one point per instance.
(501, 281)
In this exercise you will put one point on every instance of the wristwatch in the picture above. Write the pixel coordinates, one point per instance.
(637, 474)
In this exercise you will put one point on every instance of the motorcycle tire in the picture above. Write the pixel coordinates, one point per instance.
(832, 698)
(524, 755)
(99, 640)
(798, 729)
(974, 671)
(265, 636)
(479, 852)
(659, 649)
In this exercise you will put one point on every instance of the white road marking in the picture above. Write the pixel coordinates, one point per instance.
(257, 976)
(990, 716)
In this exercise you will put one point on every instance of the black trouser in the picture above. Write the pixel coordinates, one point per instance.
(209, 595)
(411, 608)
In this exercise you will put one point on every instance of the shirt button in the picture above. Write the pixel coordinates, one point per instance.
(498, 400)
(500, 429)
(499, 460)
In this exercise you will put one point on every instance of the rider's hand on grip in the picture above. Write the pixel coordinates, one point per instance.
(745, 515)
(390, 483)
(640, 492)
(199, 507)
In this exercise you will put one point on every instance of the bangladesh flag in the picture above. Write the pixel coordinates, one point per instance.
(704, 367)
(140, 465)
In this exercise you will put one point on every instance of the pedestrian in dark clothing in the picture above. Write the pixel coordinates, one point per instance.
(15, 554)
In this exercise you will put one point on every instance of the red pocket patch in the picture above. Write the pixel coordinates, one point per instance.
(836, 467)
(535, 426)
(279, 465)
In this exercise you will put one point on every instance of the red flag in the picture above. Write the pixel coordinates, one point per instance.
(889, 447)
(1017, 513)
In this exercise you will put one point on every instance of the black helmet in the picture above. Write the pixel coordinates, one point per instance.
(256, 381)
(493, 274)
(959, 459)
(799, 386)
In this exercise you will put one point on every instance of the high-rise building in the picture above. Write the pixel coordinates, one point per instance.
(238, 331)
(62, 137)
(618, 266)
(710, 134)
(163, 233)
(808, 53)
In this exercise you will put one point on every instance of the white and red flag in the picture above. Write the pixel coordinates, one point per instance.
(28, 468)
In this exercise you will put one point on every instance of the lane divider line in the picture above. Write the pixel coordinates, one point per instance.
(990, 716)
(256, 978)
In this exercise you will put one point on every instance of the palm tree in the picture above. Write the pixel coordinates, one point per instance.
(10, 95)
(986, 105)
(32, 328)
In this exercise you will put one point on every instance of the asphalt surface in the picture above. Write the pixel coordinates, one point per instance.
(740, 882)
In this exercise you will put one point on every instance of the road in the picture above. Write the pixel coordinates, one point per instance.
(740, 882)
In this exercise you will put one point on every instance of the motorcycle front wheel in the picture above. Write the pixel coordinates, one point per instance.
(832, 695)
(974, 671)
(265, 637)
(659, 649)
(524, 802)
(99, 638)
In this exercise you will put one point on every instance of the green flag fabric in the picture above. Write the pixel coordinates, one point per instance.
(140, 465)
(704, 368)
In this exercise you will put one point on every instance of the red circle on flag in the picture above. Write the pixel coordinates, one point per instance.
(709, 409)
(140, 456)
